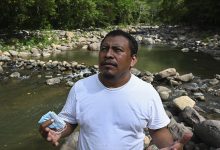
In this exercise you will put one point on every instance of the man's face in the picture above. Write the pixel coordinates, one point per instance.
(115, 58)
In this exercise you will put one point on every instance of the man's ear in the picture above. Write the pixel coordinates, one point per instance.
(133, 60)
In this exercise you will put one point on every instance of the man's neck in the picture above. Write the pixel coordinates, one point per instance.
(114, 82)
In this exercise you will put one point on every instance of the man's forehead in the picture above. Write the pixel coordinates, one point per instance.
(117, 40)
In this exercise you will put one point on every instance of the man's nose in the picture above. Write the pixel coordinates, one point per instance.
(109, 53)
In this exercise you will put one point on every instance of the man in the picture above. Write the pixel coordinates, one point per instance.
(114, 106)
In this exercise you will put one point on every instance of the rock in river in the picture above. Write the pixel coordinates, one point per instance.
(209, 132)
(53, 81)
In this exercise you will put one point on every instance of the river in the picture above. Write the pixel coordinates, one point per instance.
(155, 59)
(24, 101)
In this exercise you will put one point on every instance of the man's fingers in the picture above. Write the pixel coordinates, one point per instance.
(47, 123)
(56, 143)
(54, 140)
(180, 143)
(47, 129)
(49, 138)
(186, 137)
(43, 129)
(48, 133)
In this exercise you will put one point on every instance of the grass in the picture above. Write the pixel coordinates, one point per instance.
(21, 43)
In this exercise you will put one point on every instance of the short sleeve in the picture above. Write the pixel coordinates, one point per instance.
(68, 113)
(157, 115)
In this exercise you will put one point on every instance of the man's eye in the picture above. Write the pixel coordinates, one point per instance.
(118, 50)
(103, 48)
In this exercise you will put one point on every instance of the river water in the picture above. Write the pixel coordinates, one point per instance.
(155, 59)
(24, 101)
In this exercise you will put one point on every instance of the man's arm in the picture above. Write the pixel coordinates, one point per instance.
(53, 136)
(161, 137)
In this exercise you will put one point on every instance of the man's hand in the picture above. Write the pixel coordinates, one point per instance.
(179, 144)
(49, 134)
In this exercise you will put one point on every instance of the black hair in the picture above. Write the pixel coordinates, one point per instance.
(133, 45)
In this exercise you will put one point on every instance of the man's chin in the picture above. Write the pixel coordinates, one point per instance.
(107, 75)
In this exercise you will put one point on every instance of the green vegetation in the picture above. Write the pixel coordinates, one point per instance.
(69, 14)
(41, 39)
(72, 14)
(192, 12)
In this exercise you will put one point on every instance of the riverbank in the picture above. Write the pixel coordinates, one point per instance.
(34, 45)
(46, 43)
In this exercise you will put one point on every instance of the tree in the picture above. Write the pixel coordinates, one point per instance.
(14, 13)
(41, 13)
(203, 12)
(171, 11)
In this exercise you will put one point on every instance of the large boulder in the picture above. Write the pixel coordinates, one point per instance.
(185, 77)
(192, 87)
(6, 53)
(209, 132)
(166, 73)
(4, 58)
(53, 81)
(63, 47)
(185, 49)
(135, 71)
(15, 75)
(148, 40)
(191, 116)
(24, 54)
(184, 101)
(69, 35)
(94, 46)
(35, 52)
(13, 53)
(217, 76)
(199, 96)
(46, 54)
(148, 79)
(164, 92)
(177, 129)
(179, 92)
(213, 81)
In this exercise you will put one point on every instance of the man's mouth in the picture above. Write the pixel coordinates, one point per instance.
(109, 63)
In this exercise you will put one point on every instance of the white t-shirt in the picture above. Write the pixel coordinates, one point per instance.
(113, 118)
